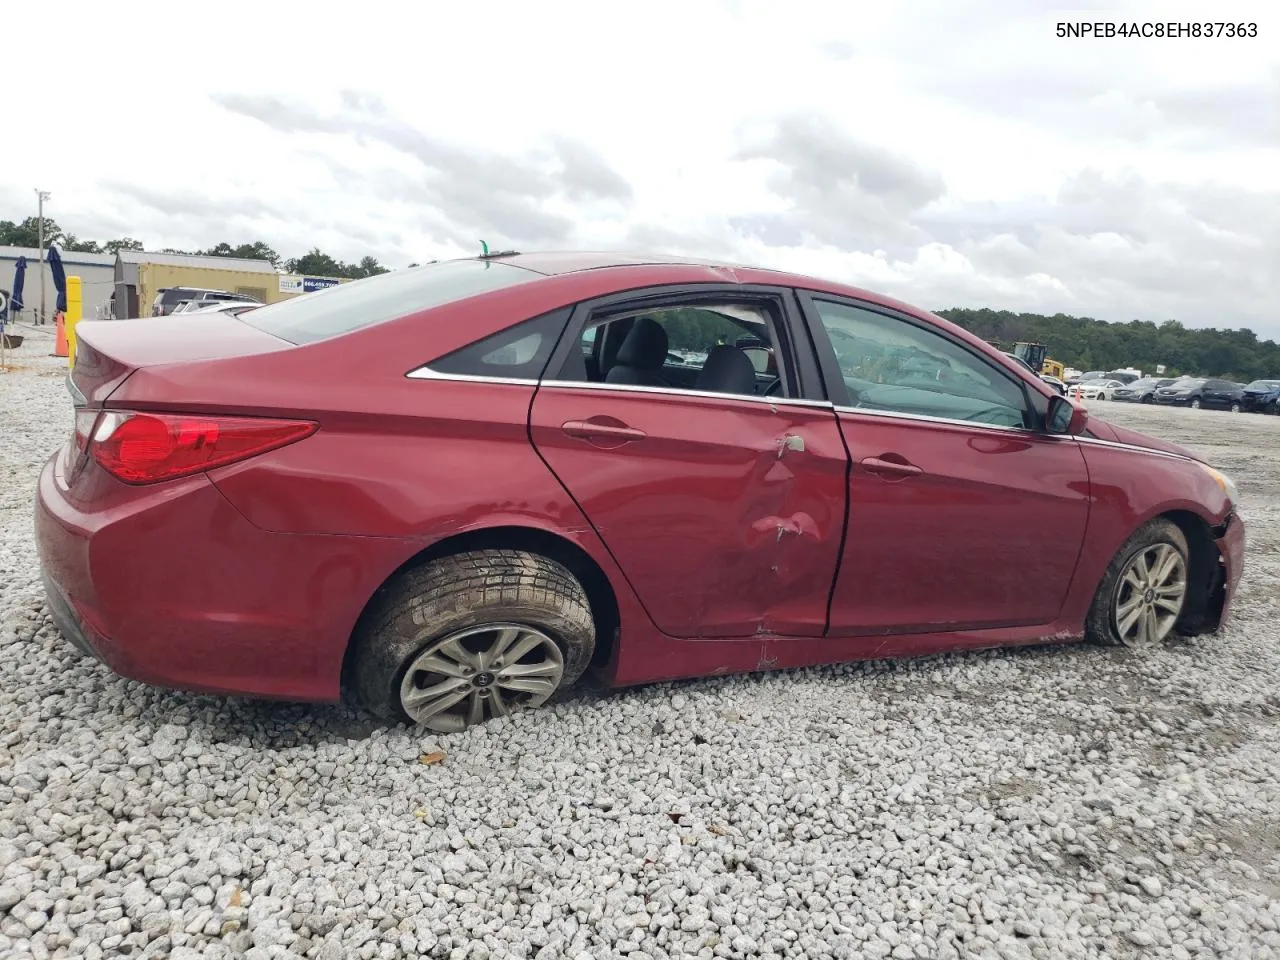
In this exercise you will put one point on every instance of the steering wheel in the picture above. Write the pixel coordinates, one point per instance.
(773, 388)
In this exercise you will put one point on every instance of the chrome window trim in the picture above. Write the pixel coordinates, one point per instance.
(1135, 448)
(925, 418)
(683, 392)
(78, 399)
(426, 373)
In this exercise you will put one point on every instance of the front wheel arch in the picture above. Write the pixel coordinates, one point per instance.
(1203, 610)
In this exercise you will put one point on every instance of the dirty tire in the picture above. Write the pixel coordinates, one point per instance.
(1100, 624)
(457, 592)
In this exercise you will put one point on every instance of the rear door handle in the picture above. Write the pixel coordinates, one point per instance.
(890, 468)
(588, 430)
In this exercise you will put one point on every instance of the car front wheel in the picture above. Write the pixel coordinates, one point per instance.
(1143, 590)
(1235, 407)
(470, 637)
(1195, 404)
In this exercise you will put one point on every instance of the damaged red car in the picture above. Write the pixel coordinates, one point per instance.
(451, 490)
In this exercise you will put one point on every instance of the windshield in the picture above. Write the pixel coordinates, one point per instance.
(1264, 385)
(345, 307)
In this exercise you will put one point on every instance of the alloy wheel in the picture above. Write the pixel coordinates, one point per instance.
(481, 672)
(1195, 404)
(1149, 595)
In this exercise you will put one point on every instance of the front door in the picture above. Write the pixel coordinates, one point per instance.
(722, 501)
(961, 517)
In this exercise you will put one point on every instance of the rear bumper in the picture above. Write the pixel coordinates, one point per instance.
(171, 586)
(65, 617)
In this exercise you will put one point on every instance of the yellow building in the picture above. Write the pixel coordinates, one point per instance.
(140, 276)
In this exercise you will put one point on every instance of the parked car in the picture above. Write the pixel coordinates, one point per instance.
(1124, 376)
(414, 488)
(1099, 389)
(1262, 396)
(169, 298)
(1210, 393)
(1054, 382)
(232, 307)
(1085, 377)
(1141, 391)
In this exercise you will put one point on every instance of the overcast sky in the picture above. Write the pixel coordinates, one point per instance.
(951, 153)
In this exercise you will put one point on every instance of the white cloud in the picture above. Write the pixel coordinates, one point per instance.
(948, 153)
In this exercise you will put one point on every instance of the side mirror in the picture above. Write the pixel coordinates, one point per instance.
(1066, 416)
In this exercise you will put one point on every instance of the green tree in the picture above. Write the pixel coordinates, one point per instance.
(27, 232)
(245, 251)
(367, 267)
(316, 264)
(124, 243)
(73, 244)
(1089, 344)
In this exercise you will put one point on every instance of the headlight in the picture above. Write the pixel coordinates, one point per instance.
(1228, 486)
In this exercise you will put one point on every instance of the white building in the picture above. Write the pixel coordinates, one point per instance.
(95, 270)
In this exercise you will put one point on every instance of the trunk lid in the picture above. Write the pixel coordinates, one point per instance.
(109, 351)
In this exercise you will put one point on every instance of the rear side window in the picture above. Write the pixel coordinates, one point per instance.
(341, 309)
(517, 353)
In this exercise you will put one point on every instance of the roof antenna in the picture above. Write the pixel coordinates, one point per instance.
(485, 247)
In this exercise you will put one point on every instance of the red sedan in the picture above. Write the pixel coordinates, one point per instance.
(451, 490)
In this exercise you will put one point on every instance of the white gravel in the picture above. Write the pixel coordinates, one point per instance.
(1046, 803)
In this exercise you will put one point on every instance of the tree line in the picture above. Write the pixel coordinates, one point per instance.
(1081, 342)
(316, 263)
(1089, 344)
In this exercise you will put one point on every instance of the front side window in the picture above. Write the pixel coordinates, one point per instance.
(894, 366)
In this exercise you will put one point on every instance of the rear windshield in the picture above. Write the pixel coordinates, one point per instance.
(362, 303)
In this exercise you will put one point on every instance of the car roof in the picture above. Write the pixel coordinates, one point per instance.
(692, 270)
(555, 263)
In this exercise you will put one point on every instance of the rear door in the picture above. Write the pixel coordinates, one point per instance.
(960, 515)
(723, 503)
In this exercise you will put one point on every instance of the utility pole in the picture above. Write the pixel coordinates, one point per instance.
(42, 196)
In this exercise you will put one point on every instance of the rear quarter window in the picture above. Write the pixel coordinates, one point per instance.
(346, 307)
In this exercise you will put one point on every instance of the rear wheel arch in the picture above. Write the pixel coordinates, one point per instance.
(595, 582)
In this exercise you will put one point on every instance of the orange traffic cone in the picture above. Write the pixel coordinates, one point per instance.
(60, 347)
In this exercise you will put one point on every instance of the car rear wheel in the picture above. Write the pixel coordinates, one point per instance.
(1144, 589)
(470, 637)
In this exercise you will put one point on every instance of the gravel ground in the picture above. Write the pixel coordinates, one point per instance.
(1067, 802)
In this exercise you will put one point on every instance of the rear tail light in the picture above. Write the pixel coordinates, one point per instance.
(150, 447)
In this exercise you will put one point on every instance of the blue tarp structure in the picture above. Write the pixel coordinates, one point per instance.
(19, 281)
(59, 279)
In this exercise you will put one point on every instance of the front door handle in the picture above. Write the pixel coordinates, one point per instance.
(597, 430)
(890, 468)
